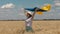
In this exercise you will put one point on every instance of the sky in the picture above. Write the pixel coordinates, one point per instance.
(12, 9)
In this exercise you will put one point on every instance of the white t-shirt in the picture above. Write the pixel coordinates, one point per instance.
(29, 21)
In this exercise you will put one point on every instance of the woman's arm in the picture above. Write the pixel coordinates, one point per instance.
(34, 14)
(37, 9)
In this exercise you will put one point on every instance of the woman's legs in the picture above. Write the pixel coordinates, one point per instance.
(29, 26)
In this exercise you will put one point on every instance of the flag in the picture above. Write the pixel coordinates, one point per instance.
(39, 11)
(44, 9)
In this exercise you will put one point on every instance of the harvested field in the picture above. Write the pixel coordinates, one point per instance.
(39, 27)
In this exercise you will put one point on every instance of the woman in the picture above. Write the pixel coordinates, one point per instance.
(30, 15)
(29, 21)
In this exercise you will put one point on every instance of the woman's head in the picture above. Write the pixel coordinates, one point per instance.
(28, 15)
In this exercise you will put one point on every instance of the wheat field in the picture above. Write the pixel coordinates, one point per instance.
(39, 27)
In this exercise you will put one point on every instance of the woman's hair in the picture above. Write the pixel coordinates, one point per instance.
(29, 15)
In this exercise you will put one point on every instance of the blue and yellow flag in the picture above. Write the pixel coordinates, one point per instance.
(40, 11)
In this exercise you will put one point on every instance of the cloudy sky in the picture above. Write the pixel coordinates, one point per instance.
(12, 9)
